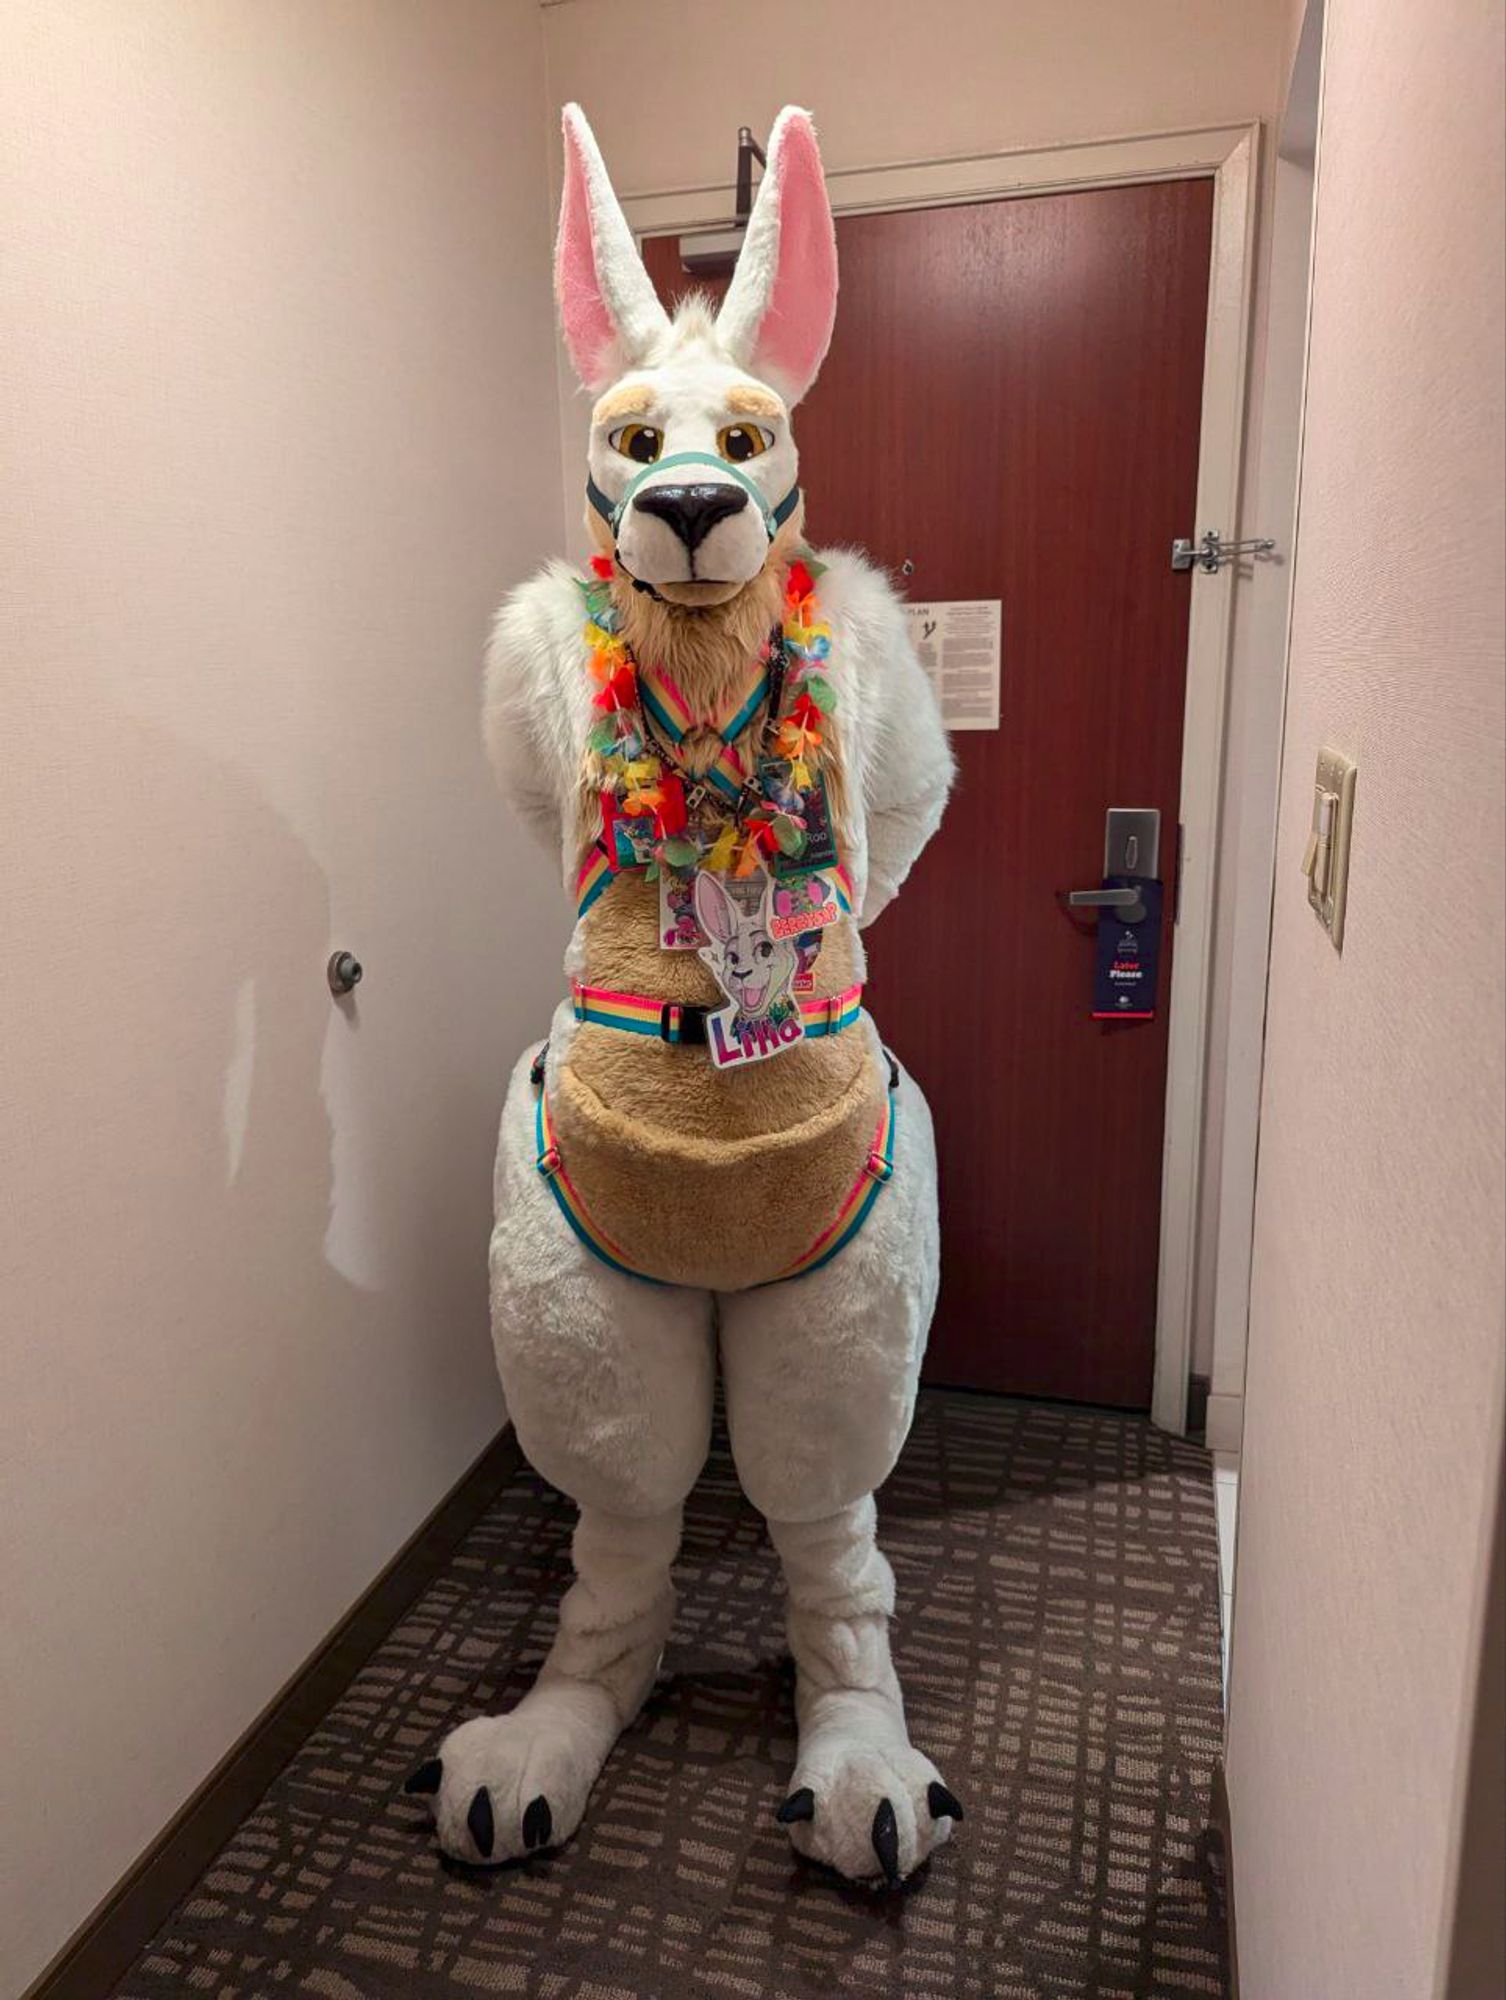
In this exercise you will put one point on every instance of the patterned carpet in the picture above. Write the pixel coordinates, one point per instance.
(1059, 1644)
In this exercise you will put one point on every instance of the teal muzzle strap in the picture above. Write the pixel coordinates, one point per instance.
(612, 512)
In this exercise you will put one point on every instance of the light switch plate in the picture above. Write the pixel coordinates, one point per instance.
(1326, 861)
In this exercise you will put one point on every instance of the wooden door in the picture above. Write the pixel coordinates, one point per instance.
(1011, 403)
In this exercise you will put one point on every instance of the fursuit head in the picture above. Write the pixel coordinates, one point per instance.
(712, 1170)
(692, 452)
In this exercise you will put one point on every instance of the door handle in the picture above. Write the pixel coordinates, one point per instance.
(1127, 900)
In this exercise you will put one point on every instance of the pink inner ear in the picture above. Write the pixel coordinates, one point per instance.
(713, 907)
(589, 332)
(795, 331)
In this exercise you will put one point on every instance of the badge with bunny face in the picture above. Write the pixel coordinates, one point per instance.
(752, 966)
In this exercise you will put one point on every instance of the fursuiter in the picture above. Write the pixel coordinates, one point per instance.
(713, 1161)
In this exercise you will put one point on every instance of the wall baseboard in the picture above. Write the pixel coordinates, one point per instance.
(1226, 1422)
(102, 1950)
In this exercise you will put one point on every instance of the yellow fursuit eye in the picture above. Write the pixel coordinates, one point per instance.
(638, 441)
(739, 441)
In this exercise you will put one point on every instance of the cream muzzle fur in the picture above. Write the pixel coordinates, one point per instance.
(691, 402)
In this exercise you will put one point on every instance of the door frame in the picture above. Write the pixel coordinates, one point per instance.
(1229, 156)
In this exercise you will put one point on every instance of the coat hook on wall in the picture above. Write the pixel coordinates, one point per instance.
(714, 255)
(748, 150)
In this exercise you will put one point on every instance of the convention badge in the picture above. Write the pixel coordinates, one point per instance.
(609, 822)
(804, 903)
(754, 969)
(635, 842)
(679, 929)
(621, 835)
(807, 951)
(819, 848)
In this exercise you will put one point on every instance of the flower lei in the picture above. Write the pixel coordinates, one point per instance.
(642, 790)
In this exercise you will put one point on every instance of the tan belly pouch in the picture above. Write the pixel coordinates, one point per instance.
(705, 1177)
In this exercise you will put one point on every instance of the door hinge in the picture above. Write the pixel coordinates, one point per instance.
(1211, 552)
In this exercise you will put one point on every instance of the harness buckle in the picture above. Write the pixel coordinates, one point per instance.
(682, 1024)
(831, 1021)
(878, 1168)
(548, 1162)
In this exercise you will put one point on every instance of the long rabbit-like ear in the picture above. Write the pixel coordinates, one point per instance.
(766, 900)
(777, 317)
(608, 307)
(714, 908)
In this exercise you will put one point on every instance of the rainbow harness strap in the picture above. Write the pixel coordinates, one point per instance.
(672, 712)
(638, 1014)
(877, 1170)
(595, 874)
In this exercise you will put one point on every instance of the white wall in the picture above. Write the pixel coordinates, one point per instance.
(278, 427)
(1373, 1431)
(666, 83)
(891, 81)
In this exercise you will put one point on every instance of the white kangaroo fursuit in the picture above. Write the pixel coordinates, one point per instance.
(712, 1162)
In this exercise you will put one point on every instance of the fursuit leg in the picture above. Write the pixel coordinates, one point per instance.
(506, 1785)
(609, 1383)
(820, 1378)
(862, 1798)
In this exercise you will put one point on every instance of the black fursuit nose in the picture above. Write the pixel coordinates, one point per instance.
(693, 511)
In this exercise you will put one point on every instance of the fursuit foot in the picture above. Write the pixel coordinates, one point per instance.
(864, 1801)
(506, 1786)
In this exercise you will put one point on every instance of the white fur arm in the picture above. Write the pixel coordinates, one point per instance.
(531, 717)
(907, 772)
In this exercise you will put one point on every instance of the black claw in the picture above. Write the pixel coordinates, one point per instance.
(799, 1805)
(538, 1823)
(886, 1841)
(944, 1804)
(426, 1778)
(482, 1825)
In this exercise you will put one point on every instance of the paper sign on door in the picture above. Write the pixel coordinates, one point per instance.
(959, 646)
